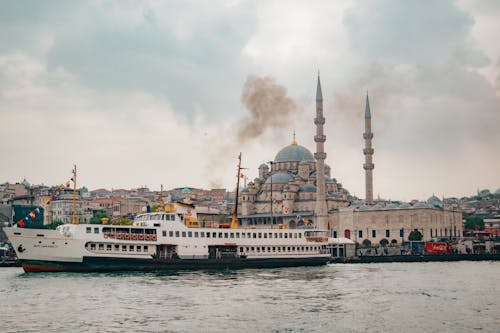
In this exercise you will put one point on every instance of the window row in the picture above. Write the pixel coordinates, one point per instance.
(203, 234)
(116, 247)
(270, 249)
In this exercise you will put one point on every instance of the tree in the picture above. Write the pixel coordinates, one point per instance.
(123, 221)
(474, 223)
(415, 235)
(96, 219)
(53, 225)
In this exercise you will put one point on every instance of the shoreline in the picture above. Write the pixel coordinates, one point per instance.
(417, 258)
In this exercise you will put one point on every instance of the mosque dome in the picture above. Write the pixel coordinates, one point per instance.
(307, 188)
(263, 166)
(420, 205)
(294, 153)
(434, 202)
(404, 205)
(392, 206)
(377, 207)
(364, 207)
(279, 178)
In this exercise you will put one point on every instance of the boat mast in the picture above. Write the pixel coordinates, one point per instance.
(74, 195)
(234, 220)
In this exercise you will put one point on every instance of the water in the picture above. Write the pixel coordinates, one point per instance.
(397, 297)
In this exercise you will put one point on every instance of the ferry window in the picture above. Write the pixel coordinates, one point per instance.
(258, 249)
(208, 235)
(334, 234)
(254, 235)
(290, 235)
(196, 234)
(145, 248)
(270, 235)
(164, 233)
(89, 230)
(260, 234)
(286, 235)
(138, 248)
(231, 235)
(225, 235)
(202, 234)
(101, 247)
(131, 248)
(117, 247)
(248, 249)
(241, 249)
(274, 249)
(92, 246)
(293, 248)
(253, 249)
(265, 235)
(295, 235)
(171, 233)
(288, 249)
(374, 233)
(249, 235)
(190, 234)
(280, 235)
(275, 235)
(243, 235)
(108, 247)
(237, 235)
(96, 230)
(124, 247)
(183, 234)
(177, 234)
(214, 234)
(279, 248)
(220, 234)
(300, 235)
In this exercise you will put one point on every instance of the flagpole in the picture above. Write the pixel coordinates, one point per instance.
(74, 196)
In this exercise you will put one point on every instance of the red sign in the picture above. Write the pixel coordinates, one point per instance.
(437, 247)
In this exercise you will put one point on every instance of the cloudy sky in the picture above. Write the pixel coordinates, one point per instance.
(169, 92)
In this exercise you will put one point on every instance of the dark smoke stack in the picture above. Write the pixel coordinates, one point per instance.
(268, 104)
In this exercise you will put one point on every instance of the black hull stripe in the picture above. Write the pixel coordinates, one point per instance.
(109, 264)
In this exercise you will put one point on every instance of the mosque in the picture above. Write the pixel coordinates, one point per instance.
(297, 190)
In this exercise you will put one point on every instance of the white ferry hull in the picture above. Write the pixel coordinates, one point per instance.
(41, 250)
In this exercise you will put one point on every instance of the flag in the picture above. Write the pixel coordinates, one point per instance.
(242, 175)
(32, 214)
(20, 224)
(37, 210)
(68, 185)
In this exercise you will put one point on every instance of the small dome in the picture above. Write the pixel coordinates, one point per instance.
(404, 205)
(328, 180)
(392, 206)
(420, 205)
(327, 167)
(377, 207)
(294, 153)
(264, 166)
(364, 207)
(308, 188)
(279, 178)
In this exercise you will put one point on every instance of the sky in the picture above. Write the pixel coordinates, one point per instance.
(170, 92)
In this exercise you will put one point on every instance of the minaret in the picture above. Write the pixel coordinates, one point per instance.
(368, 151)
(321, 210)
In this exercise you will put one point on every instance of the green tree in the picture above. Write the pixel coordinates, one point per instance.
(415, 235)
(53, 225)
(474, 223)
(96, 219)
(123, 221)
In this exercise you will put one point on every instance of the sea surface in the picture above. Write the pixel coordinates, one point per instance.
(390, 297)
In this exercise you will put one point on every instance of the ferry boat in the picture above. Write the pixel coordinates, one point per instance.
(165, 240)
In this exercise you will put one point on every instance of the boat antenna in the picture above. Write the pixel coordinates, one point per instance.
(74, 221)
(234, 220)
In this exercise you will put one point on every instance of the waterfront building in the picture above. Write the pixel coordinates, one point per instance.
(297, 189)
